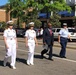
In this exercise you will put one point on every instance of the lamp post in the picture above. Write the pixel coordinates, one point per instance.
(51, 11)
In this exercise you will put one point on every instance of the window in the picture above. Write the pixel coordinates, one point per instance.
(58, 30)
(72, 30)
(53, 30)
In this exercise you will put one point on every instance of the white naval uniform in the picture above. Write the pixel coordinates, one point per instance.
(30, 34)
(11, 42)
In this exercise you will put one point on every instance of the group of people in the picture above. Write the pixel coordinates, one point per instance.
(48, 40)
(11, 43)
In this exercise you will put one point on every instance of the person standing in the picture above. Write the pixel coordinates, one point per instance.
(10, 41)
(63, 39)
(30, 40)
(41, 33)
(48, 40)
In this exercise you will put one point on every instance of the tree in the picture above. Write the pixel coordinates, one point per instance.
(33, 7)
(2, 26)
(55, 20)
(47, 6)
(16, 8)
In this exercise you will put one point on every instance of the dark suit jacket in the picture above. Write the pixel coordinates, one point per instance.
(47, 38)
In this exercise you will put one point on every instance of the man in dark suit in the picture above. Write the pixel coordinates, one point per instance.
(48, 39)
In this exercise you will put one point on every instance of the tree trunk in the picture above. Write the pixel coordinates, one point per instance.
(18, 23)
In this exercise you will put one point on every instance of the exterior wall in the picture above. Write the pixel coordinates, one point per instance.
(70, 2)
(73, 1)
(4, 16)
(7, 16)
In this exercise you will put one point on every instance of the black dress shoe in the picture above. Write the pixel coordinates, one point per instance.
(42, 56)
(51, 59)
(62, 56)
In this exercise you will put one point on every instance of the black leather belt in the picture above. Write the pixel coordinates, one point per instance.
(64, 37)
(11, 38)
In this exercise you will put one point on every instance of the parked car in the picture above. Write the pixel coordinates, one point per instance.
(37, 32)
(1, 29)
(20, 31)
(72, 33)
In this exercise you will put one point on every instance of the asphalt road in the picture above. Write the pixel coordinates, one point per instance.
(44, 66)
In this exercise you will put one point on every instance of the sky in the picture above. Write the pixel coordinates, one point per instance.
(3, 2)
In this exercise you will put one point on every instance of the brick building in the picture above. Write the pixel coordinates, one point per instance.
(4, 16)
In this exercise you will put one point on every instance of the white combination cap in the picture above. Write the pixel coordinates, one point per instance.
(65, 24)
(10, 22)
(31, 23)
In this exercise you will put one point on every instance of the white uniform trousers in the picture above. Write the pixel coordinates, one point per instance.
(31, 48)
(11, 52)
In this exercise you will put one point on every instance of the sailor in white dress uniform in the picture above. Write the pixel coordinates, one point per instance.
(30, 43)
(10, 44)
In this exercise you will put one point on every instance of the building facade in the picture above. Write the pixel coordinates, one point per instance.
(69, 18)
(4, 16)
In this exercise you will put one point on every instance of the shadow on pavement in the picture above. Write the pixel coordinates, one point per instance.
(7, 64)
(56, 55)
(21, 60)
(37, 56)
(1, 63)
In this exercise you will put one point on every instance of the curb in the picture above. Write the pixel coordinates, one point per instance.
(42, 44)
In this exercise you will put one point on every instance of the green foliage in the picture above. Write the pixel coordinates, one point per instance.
(55, 20)
(3, 25)
(56, 6)
(17, 8)
(37, 23)
(59, 6)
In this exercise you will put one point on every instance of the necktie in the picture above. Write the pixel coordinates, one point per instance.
(50, 31)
